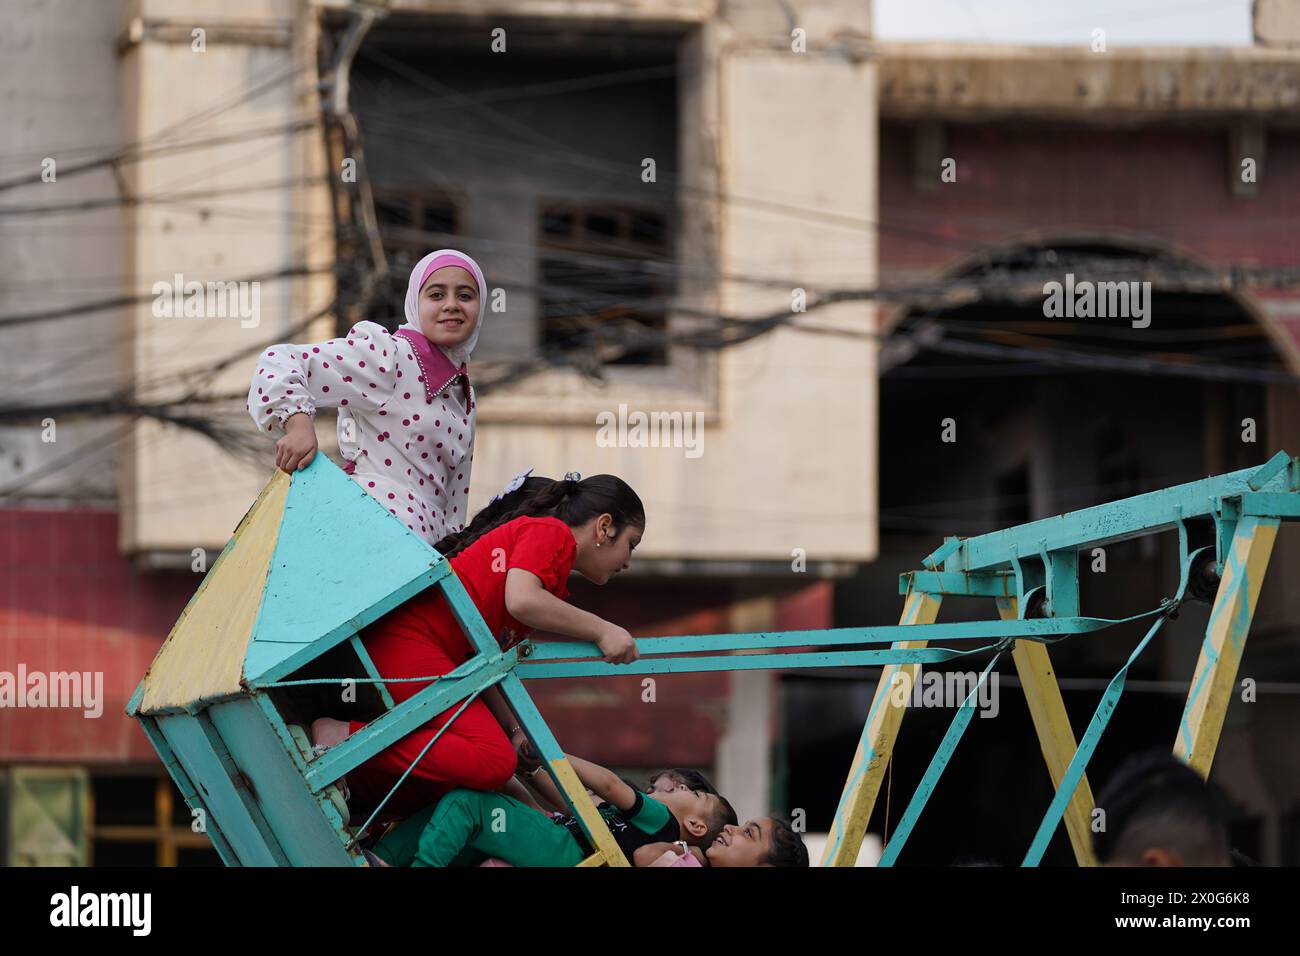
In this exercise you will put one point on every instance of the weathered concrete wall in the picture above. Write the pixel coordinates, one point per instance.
(52, 260)
(179, 490)
(1277, 23)
(1121, 84)
(797, 130)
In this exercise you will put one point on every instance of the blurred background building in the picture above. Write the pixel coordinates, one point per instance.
(632, 176)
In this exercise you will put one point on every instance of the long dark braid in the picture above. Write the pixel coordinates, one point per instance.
(573, 502)
(487, 515)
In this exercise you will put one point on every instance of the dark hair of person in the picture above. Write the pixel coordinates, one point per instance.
(573, 502)
(488, 514)
(693, 779)
(723, 815)
(1156, 800)
(788, 848)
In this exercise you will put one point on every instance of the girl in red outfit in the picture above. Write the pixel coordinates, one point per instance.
(513, 559)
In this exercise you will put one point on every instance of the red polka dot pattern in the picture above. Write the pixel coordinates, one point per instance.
(300, 378)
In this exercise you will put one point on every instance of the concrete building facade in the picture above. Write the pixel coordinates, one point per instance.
(789, 153)
(215, 169)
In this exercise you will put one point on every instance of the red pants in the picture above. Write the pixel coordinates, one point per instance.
(474, 752)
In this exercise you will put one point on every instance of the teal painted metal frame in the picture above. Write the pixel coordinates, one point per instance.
(1032, 560)
(987, 566)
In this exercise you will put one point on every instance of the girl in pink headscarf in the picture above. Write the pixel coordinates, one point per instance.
(406, 407)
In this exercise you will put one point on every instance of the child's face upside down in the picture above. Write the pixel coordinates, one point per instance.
(693, 810)
(449, 306)
(664, 783)
(745, 845)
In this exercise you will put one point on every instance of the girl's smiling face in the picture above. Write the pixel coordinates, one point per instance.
(449, 306)
(745, 845)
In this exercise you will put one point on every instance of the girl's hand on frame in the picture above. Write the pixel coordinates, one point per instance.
(524, 750)
(297, 448)
(617, 645)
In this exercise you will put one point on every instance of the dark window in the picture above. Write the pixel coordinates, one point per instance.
(140, 819)
(412, 223)
(605, 282)
(407, 217)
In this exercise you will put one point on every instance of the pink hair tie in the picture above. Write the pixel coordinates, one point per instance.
(448, 260)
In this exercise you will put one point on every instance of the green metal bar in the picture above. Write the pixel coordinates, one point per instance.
(969, 630)
(745, 662)
(937, 766)
(369, 667)
(472, 677)
(1115, 521)
(471, 622)
(184, 784)
(992, 584)
(1271, 504)
(548, 748)
(1268, 471)
(1079, 762)
(407, 772)
(1227, 513)
(1096, 727)
(1063, 583)
(934, 561)
(251, 807)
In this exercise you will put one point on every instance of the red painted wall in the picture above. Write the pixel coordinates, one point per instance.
(1165, 183)
(69, 601)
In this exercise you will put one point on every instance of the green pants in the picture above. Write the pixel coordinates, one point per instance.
(466, 827)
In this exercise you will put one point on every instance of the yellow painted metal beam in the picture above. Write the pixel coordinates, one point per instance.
(876, 744)
(1225, 640)
(606, 847)
(1055, 736)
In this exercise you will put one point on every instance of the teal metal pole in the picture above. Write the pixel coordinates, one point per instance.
(938, 764)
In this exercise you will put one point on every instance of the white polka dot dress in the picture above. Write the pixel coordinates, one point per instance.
(408, 434)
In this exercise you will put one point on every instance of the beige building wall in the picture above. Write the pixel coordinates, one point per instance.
(58, 85)
(780, 149)
(179, 490)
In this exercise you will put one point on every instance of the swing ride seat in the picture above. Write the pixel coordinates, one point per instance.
(270, 641)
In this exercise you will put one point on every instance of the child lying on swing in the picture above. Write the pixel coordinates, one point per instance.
(763, 841)
(466, 827)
